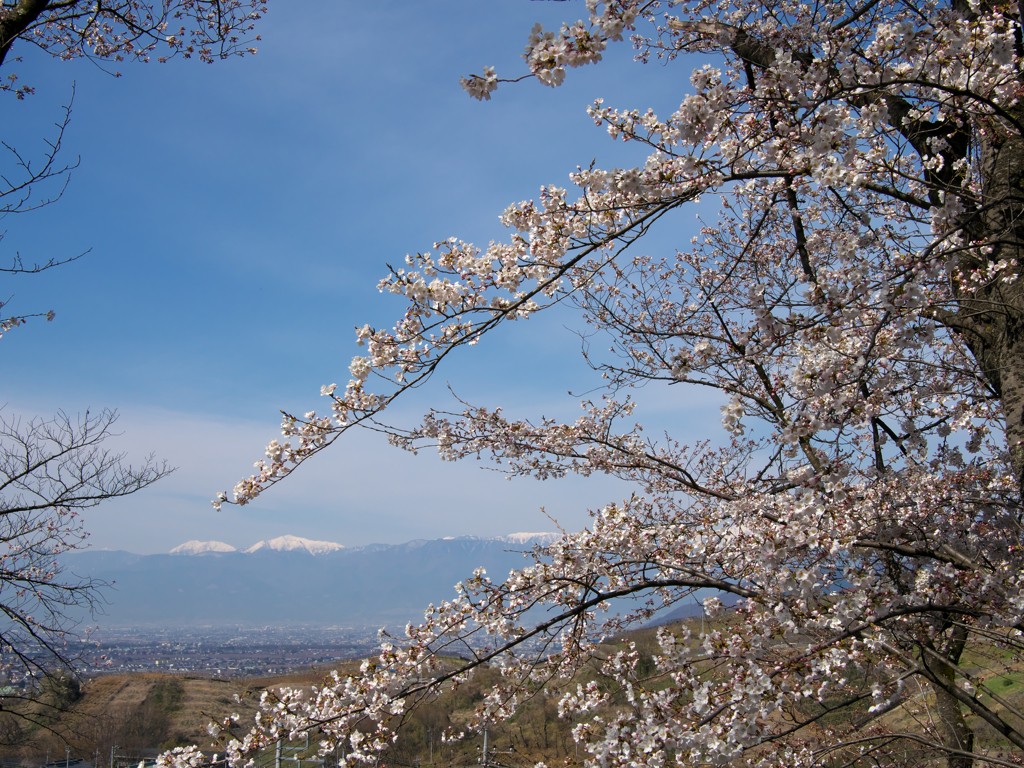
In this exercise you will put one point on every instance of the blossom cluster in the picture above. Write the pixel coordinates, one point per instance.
(548, 53)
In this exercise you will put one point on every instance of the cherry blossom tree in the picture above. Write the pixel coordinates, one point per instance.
(116, 30)
(855, 301)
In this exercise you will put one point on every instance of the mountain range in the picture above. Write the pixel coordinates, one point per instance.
(281, 544)
(292, 543)
(292, 581)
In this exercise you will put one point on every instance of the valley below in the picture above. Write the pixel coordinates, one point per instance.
(120, 719)
(204, 632)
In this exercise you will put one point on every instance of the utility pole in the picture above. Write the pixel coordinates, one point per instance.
(113, 749)
(67, 756)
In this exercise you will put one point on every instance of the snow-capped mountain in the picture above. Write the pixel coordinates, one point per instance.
(195, 547)
(291, 543)
(291, 580)
(295, 543)
(529, 539)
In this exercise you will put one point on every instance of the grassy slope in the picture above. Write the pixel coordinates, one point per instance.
(138, 711)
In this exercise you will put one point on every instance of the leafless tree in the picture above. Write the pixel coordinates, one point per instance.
(106, 32)
(50, 472)
(21, 178)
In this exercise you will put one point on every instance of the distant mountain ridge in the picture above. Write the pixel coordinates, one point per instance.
(291, 543)
(529, 539)
(293, 581)
(195, 547)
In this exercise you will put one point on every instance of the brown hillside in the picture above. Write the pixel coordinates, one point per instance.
(144, 711)
(135, 712)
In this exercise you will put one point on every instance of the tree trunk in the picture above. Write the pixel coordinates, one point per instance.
(991, 318)
(955, 732)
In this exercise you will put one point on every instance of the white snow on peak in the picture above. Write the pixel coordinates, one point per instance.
(195, 547)
(289, 543)
(530, 538)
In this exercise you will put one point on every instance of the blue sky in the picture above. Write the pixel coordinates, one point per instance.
(239, 216)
